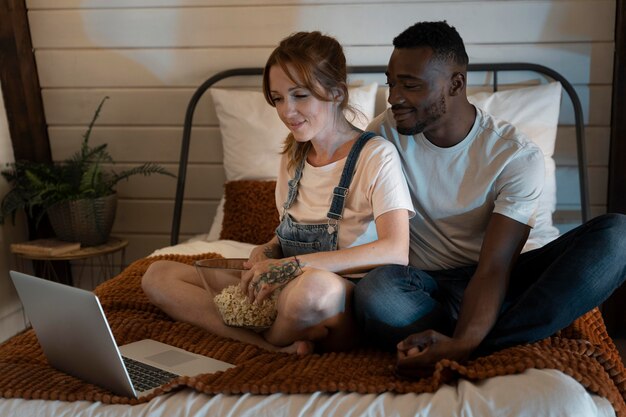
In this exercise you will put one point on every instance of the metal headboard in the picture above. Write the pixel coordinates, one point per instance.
(494, 68)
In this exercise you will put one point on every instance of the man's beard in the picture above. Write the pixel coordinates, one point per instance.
(433, 113)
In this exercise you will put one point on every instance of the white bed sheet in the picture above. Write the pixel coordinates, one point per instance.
(533, 393)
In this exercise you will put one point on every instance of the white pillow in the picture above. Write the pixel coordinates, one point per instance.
(216, 226)
(253, 135)
(534, 111)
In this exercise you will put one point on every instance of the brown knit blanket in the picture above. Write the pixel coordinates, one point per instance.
(583, 351)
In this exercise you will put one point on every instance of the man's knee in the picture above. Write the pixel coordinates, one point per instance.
(615, 225)
(374, 291)
(371, 284)
(609, 232)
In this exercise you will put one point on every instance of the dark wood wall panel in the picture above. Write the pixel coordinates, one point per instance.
(20, 85)
(617, 162)
(613, 310)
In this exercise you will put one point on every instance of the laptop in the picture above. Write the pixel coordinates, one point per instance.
(76, 338)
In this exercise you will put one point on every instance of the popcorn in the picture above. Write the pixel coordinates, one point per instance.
(236, 310)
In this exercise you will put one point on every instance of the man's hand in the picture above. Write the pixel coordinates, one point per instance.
(418, 353)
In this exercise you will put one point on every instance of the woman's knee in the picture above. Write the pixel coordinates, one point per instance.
(314, 297)
(158, 277)
(153, 274)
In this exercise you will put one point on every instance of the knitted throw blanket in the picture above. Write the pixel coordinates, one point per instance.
(583, 351)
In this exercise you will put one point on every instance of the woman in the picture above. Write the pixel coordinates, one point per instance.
(344, 203)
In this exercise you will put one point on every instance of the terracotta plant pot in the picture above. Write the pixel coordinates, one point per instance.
(88, 221)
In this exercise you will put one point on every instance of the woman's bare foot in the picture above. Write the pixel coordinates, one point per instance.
(299, 347)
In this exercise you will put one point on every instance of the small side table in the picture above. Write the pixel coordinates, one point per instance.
(98, 260)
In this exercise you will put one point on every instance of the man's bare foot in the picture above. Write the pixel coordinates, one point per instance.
(299, 347)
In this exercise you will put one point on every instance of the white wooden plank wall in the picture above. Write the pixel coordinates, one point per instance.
(149, 55)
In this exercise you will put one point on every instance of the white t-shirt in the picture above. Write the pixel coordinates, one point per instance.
(378, 186)
(495, 169)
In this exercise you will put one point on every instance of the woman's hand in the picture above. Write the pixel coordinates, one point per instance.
(265, 277)
(270, 250)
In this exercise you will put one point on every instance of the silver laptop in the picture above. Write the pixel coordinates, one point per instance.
(76, 339)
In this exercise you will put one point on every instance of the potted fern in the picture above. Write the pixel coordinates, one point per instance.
(78, 194)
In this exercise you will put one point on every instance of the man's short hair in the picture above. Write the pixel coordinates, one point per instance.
(442, 38)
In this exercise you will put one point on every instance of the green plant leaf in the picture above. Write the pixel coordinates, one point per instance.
(37, 186)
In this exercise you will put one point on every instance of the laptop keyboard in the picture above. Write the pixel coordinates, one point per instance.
(146, 377)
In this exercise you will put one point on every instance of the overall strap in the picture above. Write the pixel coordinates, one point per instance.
(293, 186)
(341, 191)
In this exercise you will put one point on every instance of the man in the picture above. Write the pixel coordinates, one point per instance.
(475, 182)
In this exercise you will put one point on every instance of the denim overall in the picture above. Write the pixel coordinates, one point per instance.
(299, 239)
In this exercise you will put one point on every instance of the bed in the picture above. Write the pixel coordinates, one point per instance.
(577, 372)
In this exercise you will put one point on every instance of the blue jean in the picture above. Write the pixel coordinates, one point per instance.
(549, 288)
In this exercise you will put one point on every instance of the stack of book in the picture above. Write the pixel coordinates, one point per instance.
(45, 247)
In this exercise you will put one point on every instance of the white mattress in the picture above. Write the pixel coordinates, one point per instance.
(532, 393)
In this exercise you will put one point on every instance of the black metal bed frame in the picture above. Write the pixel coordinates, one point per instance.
(379, 69)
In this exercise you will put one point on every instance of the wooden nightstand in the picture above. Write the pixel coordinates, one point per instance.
(94, 261)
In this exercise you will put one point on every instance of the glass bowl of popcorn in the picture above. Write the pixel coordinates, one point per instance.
(221, 278)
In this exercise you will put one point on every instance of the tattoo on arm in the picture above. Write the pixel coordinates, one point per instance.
(268, 251)
(272, 251)
(281, 274)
